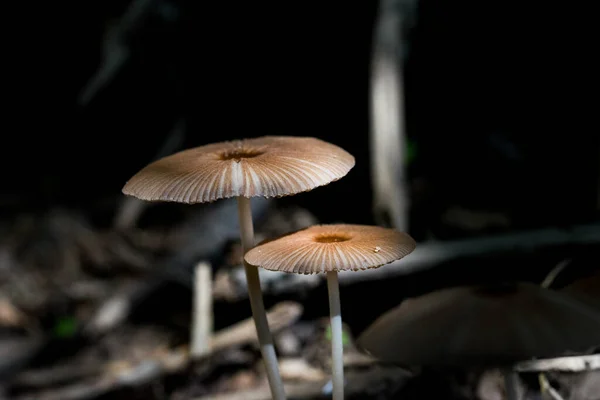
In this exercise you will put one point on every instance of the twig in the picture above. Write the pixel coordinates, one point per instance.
(121, 374)
(272, 282)
(429, 254)
(279, 317)
(547, 282)
(17, 352)
(298, 369)
(11, 315)
(564, 364)
(55, 375)
(117, 375)
(113, 311)
(356, 359)
(358, 383)
(203, 310)
(548, 389)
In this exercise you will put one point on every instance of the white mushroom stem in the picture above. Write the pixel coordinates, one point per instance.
(511, 383)
(265, 339)
(337, 343)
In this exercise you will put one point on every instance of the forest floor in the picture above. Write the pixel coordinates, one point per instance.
(90, 312)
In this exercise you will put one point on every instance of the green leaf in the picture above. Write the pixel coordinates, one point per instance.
(65, 327)
(345, 336)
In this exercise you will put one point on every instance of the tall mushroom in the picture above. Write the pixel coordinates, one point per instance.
(270, 166)
(496, 325)
(330, 249)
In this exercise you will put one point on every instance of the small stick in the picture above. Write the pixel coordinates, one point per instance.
(298, 369)
(547, 388)
(279, 317)
(564, 364)
(551, 277)
(203, 310)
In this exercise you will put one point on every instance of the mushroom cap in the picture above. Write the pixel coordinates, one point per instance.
(482, 326)
(585, 289)
(269, 166)
(336, 247)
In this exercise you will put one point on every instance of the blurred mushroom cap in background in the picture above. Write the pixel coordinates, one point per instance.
(482, 326)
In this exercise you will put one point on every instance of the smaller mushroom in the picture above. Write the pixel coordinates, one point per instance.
(329, 249)
(485, 326)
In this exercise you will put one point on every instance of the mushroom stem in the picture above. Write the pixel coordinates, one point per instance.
(337, 344)
(265, 339)
(511, 384)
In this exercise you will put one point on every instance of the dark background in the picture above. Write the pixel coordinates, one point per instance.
(501, 104)
(501, 99)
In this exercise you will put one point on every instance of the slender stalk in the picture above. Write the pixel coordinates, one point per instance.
(202, 326)
(337, 344)
(511, 383)
(265, 339)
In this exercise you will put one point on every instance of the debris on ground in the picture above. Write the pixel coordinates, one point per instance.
(95, 313)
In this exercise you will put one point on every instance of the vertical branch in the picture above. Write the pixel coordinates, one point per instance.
(387, 117)
(203, 310)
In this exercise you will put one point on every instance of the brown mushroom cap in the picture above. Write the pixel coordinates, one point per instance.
(586, 289)
(482, 326)
(325, 248)
(269, 166)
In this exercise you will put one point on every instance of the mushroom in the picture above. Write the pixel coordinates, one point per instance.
(329, 249)
(270, 166)
(586, 289)
(493, 325)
